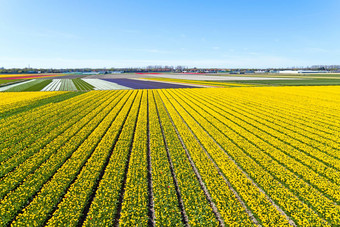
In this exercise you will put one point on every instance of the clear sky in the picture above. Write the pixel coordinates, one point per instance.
(193, 33)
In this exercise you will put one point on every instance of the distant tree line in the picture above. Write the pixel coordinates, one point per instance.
(159, 68)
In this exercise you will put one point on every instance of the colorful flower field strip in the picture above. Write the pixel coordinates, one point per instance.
(53, 86)
(267, 182)
(166, 202)
(135, 204)
(15, 139)
(104, 208)
(27, 148)
(99, 84)
(14, 201)
(143, 84)
(196, 205)
(9, 101)
(29, 76)
(200, 82)
(54, 190)
(67, 85)
(229, 208)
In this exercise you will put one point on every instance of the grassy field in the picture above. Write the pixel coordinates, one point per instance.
(277, 75)
(290, 82)
(5, 82)
(304, 80)
(171, 157)
(200, 82)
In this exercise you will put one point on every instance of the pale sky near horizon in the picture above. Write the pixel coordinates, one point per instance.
(131, 33)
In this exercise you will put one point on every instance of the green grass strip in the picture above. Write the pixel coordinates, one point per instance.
(78, 86)
(82, 85)
(28, 86)
(21, 87)
(293, 82)
(39, 86)
(7, 82)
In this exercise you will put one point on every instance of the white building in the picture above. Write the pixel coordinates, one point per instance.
(301, 71)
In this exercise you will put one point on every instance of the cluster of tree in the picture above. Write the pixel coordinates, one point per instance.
(325, 67)
(159, 68)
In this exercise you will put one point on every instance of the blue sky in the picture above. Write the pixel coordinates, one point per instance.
(126, 33)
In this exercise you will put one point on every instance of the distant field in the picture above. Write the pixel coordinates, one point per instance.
(2, 82)
(82, 84)
(29, 76)
(144, 84)
(299, 82)
(238, 156)
(162, 80)
(300, 75)
(200, 82)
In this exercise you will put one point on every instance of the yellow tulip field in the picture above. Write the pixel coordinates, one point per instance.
(238, 156)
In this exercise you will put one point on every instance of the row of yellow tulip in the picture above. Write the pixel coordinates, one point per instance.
(104, 208)
(300, 188)
(274, 136)
(319, 136)
(16, 120)
(304, 132)
(234, 130)
(70, 209)
(195, 203)
(320, 100)
(226, 202)
(16, 139)
(302, 136)
(270, 133)
(166, 203)
(135, 203)
(280, 168)
(261, 207)
(303, 125)
(43, 147)
(292, 104)
(10, 101)
(20, 122)
(68, 142)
